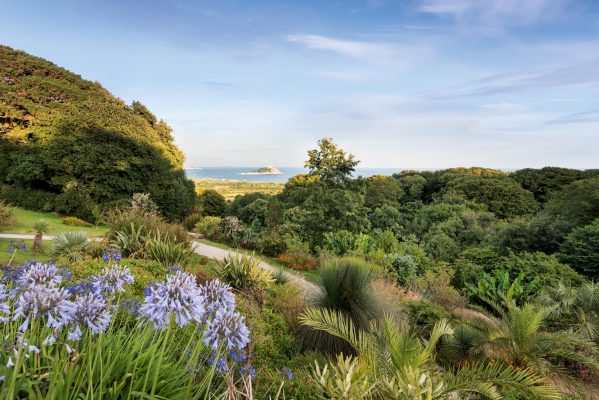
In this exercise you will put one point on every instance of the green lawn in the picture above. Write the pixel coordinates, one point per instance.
(310, 276)
(25, 220)
(20, 257)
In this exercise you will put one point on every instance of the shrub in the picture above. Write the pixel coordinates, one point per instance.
(347, 288)
(71, 245)
(500, 290)
(423, 314)
(31, 199)
(212, 203)
(167, 253)
(209, 227)
(581, 249)
(243, 272)
(281, 277)
(143, 203)
(298, 259)
(131, 241)
(191, 221)
(404, 268)
(232, 230)
(272, 243)
(7, 213)
(339, 243)
(74, 221)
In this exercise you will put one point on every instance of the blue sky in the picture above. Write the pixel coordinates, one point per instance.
(405, 83)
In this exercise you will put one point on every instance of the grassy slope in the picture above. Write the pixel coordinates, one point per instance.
(20, 256)
(25, 220)
(230, 189)
(310, 276)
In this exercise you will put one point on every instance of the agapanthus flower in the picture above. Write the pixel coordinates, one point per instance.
(179, 296)
(248, 370)
(40, 301)
(287, 372)
(90, 311)
(217, 296)
(39, 274)
(112, 254)
(227, 329)
(112, 279)
(132, 306)
(15, 245)
(4, 307)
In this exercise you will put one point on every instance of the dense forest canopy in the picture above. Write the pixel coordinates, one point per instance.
(68, 145)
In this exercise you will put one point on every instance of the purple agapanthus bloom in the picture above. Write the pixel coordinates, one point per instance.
(248, 370)
(39, 274)
(112, 279)
(179, 296)
(4, 307)
(112, 254)
(218, 296)
(41, 301)
(15, 245)
(287, 372)
(227, 329)
(89, 311)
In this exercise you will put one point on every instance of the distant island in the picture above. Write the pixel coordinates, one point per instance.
(268, 170)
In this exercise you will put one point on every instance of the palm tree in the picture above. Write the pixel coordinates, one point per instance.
(518, 339)
(392, 363)
(40, 227)
(346, 288)
(576, 307)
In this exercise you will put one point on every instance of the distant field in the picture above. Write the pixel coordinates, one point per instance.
(230, 189)
(25, 220)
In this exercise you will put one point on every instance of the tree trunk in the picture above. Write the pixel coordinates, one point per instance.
(37, 242)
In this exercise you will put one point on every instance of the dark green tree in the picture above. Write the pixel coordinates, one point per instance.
(330, 163)
(212, 203)
(381, 190)
(581, 249)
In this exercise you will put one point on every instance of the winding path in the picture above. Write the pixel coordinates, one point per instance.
(209, 251)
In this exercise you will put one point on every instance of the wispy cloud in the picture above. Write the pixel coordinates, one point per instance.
(350, 48)
(576, 118)
(495, 12)
(568, 75)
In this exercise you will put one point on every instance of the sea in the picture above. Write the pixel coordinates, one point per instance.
(236, 173)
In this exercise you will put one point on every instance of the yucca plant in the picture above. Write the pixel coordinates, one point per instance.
(392, 363)
(346, 287)
(243, 272)
(131, 240)
(167, 252)
(71, 245)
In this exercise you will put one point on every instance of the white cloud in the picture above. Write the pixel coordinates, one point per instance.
(495, 12)
(355, 49)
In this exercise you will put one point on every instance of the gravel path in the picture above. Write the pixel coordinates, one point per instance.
(218, 254)
(206, 250)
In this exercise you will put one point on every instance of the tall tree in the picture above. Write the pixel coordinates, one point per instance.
(330, 163)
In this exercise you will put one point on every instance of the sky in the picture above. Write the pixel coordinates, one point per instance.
(398, 83)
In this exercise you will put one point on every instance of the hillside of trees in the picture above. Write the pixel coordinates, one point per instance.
(68, 145)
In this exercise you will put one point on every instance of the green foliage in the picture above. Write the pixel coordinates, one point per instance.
(212, 203)
(498, 289)
(382, 190)
(386, 217)
(41, 226)
(346, 288)
(393, 363)
(7, 213)
(232, 230)
(577, 204)
(74, 221)
(404, 268)
(543, 182)
(70, 245)
(190, 221)
(209, 227)
(339, 243)
(50, 112)
(330, 163)
(504, 198)
(581, 249)
(167, 252)
(539, 233)
(243, 272)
